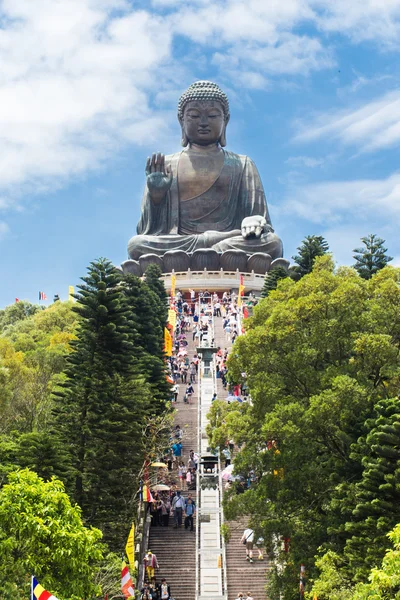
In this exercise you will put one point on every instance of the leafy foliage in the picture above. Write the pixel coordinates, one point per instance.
(271, 280)
(311, 247)
(371, 258)
(320, 356)
(42, 533)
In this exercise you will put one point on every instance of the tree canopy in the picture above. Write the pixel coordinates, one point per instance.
(311, 247)
(41, 532)
(320, 356)
(372, 257)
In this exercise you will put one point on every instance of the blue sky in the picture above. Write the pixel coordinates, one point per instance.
(88, 88)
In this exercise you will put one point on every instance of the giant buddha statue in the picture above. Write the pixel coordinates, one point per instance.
(203, 207)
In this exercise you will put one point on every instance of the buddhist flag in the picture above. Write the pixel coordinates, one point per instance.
(71, 292)
(172, 317)
(127, 587)
(130, 547)
(42, 296)
(16, 299)
(241, 290)
(38, 592)
(167, 342)
(147, 497)
(173, 284)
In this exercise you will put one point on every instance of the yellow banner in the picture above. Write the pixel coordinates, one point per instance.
(172, 318)
(130, 547)
(71, 292)
(167, 342)
(173, 284)
(241, 290)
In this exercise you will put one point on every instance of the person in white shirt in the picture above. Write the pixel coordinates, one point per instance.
(248, 539)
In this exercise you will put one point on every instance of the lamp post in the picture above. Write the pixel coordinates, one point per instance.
(206, 354)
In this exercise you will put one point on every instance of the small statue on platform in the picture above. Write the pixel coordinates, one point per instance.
(203, 206)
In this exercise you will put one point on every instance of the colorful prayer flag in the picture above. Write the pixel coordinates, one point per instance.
(167, 342)
(42, 296)
(71, 292)
(147, 497)
(241, 290)
(127, 587)
(16, 299)
(130, 547)
(173, 283)
(172, 317)
(38, 592)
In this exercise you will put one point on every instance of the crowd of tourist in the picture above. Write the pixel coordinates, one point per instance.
(172, 498)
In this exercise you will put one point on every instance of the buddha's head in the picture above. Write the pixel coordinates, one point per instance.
(203, 113)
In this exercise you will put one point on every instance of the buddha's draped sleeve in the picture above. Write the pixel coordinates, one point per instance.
(251, 193)
(162, 218)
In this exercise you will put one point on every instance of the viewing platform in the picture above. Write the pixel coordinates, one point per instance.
(214, 280)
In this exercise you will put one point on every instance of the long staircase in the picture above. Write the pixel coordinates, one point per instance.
(241, 575)
(176, 548)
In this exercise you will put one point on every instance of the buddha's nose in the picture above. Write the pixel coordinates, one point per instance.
(203, 120)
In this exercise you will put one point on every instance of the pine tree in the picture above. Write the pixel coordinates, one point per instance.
(148, 338)
(99, 412)
(271, 280)
(153, 280)
(371, 258)
(377, 495)
(311, 247)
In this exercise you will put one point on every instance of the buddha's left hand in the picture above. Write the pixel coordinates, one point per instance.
(253, 226)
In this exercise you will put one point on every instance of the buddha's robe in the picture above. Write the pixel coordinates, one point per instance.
(210, 220)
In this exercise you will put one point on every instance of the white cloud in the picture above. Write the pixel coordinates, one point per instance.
(79, 77)
(361, 20)
(305, 161)
(4, 230)
(74, 86)
(375, 125)
(340, 201)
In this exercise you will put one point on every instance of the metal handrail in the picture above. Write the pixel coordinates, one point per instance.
(197, 583)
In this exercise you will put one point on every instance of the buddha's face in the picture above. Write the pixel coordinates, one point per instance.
(203, 122)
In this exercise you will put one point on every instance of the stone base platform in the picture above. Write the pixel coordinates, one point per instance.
(214, 281)
(205, 258)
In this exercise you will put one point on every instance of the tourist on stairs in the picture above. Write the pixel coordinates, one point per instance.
(164, 591)
(248, 539)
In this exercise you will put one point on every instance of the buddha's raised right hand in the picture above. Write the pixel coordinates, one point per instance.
(159, 178)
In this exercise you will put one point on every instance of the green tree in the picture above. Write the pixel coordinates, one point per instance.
(271, 280)
(384, 582)
(153, 280)
(376, 497)
(16, 312)
(42, 533)
(100, 407)
(372, 257)
(318, 356)
(32, 357)
(146, 332)
(311, 247)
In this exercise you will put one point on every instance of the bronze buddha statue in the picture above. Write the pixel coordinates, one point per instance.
(204, 206)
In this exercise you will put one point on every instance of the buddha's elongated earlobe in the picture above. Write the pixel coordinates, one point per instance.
(222, 139)
(184, 140)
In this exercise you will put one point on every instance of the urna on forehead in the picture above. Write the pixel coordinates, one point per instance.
(202, 91)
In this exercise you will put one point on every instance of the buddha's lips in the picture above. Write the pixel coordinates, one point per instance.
(203, 131)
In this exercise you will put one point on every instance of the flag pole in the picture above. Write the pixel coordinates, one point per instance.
(32, 587)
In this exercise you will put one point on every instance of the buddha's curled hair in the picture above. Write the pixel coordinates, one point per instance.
(200, 91)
